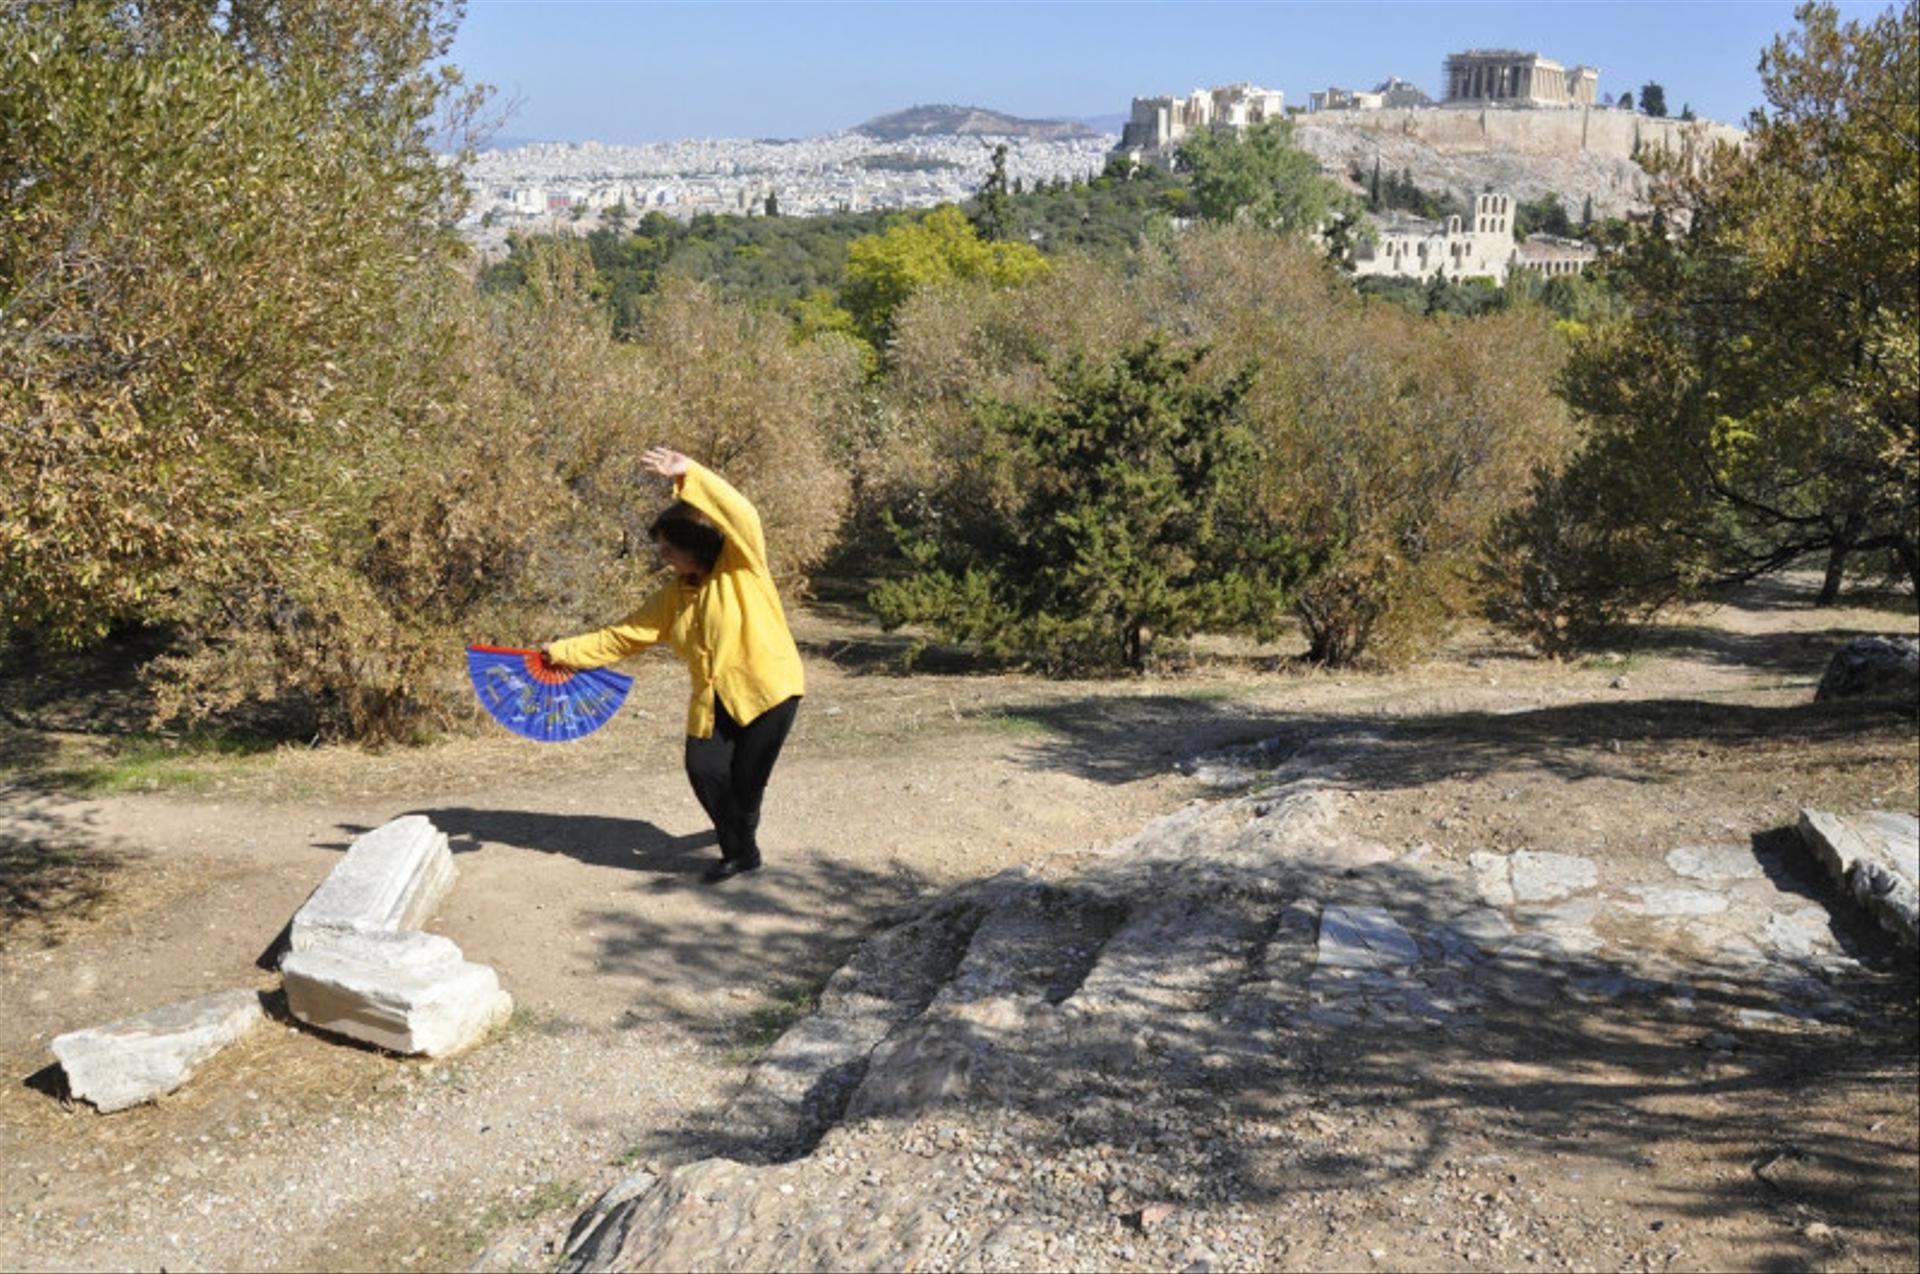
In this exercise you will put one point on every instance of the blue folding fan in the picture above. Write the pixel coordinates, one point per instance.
(531, 697)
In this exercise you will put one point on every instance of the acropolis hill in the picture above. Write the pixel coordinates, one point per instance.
(1508, 120)
(1577, 153)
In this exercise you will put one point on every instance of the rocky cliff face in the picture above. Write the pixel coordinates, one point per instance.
(1524, 153)
(1617, 185)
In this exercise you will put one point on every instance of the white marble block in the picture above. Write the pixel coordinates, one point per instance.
(391, 879)
(408, 992)
(146, 1056)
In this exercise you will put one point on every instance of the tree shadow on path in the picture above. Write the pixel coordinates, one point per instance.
(53, 869)
(1121, 740)
(1176, 1024)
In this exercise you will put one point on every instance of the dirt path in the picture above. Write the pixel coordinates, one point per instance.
(643, 995)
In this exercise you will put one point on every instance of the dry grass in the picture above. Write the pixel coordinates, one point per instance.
(276, 1075)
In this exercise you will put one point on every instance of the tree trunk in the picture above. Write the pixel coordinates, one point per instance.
(1846, 537)
(1909, 550)
(1836, 566)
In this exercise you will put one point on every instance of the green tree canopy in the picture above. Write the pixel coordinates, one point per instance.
(1759, 407)
(1261, 177)
(1653, 100)
(1126, 514)
(995, 221)
(885, 269)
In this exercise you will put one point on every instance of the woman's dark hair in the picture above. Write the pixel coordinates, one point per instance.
(691, 531)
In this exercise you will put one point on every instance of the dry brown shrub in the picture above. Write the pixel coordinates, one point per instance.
(724, 383)
(955, 347)
(1396, 442)
(1392, 441)
(499, 499)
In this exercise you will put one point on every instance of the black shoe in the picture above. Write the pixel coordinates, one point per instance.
(728, 868)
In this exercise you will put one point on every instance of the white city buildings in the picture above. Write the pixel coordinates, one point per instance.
(546, 184)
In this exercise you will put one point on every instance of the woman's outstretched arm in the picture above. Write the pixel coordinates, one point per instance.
(708, 492)
(611, 644)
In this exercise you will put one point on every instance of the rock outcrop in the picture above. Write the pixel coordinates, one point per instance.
(1040, 1044)
(139, 1058)
(1875, 858)
(1872, 666)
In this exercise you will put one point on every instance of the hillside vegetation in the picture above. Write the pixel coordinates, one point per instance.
(274, 424)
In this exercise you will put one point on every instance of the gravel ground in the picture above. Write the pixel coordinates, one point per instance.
(645, 998)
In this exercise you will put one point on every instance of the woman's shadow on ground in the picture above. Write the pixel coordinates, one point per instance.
(594, 839)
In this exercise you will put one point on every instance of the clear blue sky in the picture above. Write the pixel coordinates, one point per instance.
(640, 70)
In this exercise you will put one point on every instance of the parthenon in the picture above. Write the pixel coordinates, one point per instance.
(1508, 77)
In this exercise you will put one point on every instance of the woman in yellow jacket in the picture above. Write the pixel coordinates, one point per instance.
(721, 614)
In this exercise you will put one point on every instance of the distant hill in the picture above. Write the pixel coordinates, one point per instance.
(1112, 123)
(922, 121)
(447, 142)
(502, 141)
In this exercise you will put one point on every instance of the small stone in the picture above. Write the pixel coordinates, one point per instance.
(1363, 938)
(1542, 877)
(1155, 1214)
(137, 1059)
(1720, 1042)
(1818, 1231)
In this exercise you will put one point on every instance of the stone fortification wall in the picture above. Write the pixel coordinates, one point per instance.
(1544, 132)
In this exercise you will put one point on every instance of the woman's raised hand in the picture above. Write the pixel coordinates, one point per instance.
(663, 461)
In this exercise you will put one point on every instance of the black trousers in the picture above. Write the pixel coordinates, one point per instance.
(729, 773)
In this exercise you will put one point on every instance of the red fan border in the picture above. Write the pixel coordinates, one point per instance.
(537, 666)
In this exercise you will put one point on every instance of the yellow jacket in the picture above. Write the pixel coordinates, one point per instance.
(730, 628)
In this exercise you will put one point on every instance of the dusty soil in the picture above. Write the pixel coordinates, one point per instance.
(644, 995)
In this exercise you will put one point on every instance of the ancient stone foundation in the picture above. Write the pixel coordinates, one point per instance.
(1232, 947)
